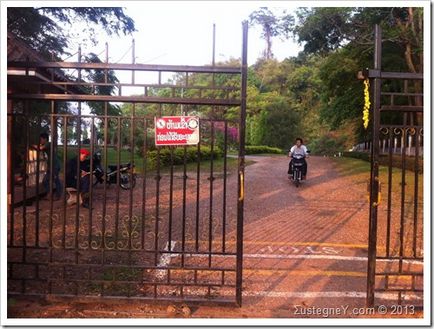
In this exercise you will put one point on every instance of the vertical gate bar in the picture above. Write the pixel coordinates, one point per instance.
(104, 177)
(197, 194)
(133, 54)
(211, 191)
(416, 190)
(213, 54)
(241, 153)
(157, 208)
(144, 174)
(402, 222)
(389, 200)
(38, 163)
(11, 175)
(373, 198)
(25, 165)
(157, 196)
(50, 229)
(77, 218)
(212, 158)
(225, 162)
(106, 61)
(184, 201)
(91, 178)
(65, 152)
(79, 60)
(78, 175)
(131, 174)
(171, 198)
(53, 127)
(118, 160)
(389, 194)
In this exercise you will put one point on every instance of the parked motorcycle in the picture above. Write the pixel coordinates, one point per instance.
(297, 169)
(127, 177)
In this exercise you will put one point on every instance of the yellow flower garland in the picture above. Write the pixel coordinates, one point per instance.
(367, 104)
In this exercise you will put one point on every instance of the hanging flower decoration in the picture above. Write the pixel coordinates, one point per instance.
(367, 104)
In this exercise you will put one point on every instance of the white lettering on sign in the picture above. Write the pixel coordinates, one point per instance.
(172, 137)
(177, 130)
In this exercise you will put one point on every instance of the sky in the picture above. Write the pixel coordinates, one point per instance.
(180, 33)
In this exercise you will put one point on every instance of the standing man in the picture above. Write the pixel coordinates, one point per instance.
(45, 146)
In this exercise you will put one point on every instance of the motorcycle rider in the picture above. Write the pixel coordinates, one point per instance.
(299, 149)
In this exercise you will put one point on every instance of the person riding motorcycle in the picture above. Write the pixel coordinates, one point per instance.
(299, 149)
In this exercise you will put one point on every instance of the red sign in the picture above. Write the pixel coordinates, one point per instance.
(179, 130)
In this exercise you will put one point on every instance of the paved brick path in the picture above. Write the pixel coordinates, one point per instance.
(304, 247)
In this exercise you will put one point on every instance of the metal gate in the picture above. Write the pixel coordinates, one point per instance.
(395, 254)
(177, 234)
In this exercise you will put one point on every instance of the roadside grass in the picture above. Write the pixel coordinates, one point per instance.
(359, 170)
(126, 156)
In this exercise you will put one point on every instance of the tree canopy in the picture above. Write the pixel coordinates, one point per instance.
(315, 95)
(272, 26)
(46, 29)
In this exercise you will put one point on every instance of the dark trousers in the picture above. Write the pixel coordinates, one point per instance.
(303, 169)
(56, 182)
(84, 183)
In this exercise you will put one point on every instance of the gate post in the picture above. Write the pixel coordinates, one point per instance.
(374, 180)
(242, 135)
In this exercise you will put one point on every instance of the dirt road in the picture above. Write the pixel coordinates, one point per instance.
(304, 248)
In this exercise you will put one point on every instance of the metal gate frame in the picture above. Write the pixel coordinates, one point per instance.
(66, 94)
(376, 77)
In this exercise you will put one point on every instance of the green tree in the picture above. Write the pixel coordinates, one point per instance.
(41, 27)
(323, 30)
(272, 26)
(343, 37)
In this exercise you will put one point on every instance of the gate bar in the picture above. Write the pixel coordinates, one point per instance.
(132, 67)
(377, 73)
(241, 153)
(128, 99)
(373, 197)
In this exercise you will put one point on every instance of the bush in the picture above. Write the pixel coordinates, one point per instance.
(358, 155)
(259, 149)
(328, 144)
(191, 155)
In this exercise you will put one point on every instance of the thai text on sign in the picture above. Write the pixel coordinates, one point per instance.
(177, 130)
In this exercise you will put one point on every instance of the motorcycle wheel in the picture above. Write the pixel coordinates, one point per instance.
(125, 181)
(297, 183)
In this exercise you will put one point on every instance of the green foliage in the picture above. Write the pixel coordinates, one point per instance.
(323, 29)
(260, 149)
(328, 144)
(41, 28)
(358, 155)
(276, 125)
(191, 154)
